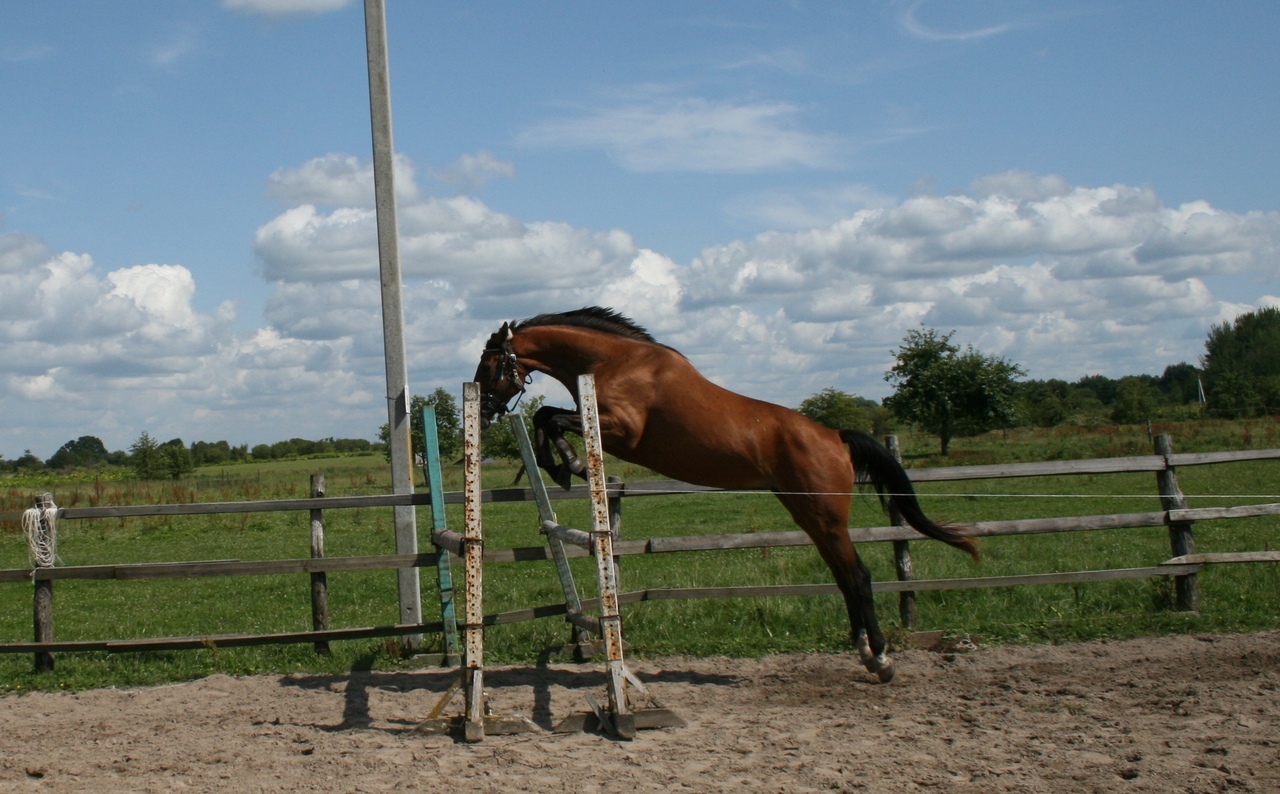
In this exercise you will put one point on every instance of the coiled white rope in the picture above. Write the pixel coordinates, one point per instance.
(39, 523)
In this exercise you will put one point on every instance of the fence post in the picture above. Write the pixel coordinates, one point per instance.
(319, 579)
(902, 554)
(1181, 539)
(38, 522)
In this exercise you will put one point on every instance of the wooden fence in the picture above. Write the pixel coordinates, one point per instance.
(1182, 564)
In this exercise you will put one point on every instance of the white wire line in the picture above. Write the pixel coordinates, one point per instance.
(937, 494)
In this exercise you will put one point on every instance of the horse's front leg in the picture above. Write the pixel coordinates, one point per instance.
(549, 427)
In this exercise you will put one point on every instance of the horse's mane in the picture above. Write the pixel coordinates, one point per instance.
(596, 318)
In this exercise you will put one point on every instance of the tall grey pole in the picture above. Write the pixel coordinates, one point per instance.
(375, 25)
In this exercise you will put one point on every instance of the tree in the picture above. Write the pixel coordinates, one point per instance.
(85, 451)
(840, 410)
(145, 457)
(1242, 364)
(176, 458)
(448, 427)
(949, 393)
(28, 462)
(497, 440)
(1135, 401)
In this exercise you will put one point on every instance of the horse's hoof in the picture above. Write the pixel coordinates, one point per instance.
(885, 674)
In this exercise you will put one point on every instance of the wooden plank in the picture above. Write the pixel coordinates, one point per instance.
(1234, 456)
(661, 487)
(264, 506)
(1041, 469)
(1211, 513)
(748, 540)
(222, 640)
(1207, 558)
(188, 570)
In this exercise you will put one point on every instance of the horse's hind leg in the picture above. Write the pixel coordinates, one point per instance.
(872, 646)
(825, 522)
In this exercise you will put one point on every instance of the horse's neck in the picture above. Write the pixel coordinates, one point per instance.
(564, 353)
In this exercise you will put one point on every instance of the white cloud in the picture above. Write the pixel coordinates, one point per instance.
(694, 135)
(912, 24)
(806, 209)
(279, 8)
(339, 180)
(1065, 280)
(472, 171)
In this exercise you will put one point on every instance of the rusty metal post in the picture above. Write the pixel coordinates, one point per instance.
(319, 579)
(472, 558)
(1181, 539)
(610, 617)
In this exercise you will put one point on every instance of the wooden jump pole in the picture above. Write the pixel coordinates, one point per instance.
(439, 533)
(583, 648)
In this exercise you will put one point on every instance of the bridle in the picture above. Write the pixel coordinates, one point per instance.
(508, 369)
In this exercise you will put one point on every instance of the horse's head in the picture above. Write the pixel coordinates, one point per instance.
(499, 376)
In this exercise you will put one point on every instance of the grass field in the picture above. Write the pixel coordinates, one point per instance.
(1234, 598)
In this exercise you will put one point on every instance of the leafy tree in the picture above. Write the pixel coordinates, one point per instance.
(497, 440)
(146, 458)
(1043, 403)
(1180, 383)
(948, 392)
(176, 458)
(1136, 401)
(85, 451)
(448, 422)
(840, 410)
(448, 427)
(1242, 364)
(28, 462)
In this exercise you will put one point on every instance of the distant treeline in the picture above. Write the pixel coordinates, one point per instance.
(176, 457)
(1097, 399)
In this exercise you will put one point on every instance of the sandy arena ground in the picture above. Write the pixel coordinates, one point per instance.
(1167, 714)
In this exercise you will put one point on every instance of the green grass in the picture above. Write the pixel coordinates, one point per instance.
(1234, 598)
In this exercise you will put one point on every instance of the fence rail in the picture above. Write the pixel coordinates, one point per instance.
(1181, 566)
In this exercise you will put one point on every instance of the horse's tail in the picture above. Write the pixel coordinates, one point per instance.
(874, 464)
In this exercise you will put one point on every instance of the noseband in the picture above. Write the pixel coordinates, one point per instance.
(508, 369)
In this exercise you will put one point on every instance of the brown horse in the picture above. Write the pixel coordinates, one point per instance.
(656, 410)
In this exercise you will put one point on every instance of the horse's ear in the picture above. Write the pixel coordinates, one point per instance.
(506, 332)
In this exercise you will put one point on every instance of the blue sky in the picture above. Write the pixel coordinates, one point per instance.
(779, 190)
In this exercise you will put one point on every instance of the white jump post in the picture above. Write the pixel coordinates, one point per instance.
(475, 721)
(624, 721)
